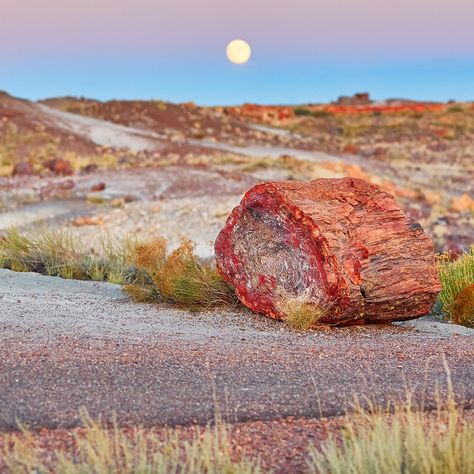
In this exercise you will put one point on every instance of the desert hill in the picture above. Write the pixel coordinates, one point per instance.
(422, 152)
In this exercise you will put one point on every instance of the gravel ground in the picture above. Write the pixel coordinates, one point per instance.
(68, 344)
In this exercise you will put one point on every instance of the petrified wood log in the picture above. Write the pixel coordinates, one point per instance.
(340, 244)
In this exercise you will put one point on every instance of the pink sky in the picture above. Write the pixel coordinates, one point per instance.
(394, 27)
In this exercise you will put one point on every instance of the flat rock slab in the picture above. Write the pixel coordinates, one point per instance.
(67, 345)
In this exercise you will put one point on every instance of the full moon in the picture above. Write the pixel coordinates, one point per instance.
(238, 51)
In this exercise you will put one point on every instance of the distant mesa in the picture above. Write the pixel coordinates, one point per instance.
(359, 98)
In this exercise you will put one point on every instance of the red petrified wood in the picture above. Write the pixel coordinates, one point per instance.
(342, 244)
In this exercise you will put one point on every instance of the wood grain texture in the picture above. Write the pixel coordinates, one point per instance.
(343, 244)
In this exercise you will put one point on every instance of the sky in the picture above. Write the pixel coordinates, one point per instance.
(303, 50)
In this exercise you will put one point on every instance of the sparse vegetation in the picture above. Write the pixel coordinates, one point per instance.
(178, 277)
(400, 440)
(147, 271)
(300, 314)
(455, 277)
(397, 439)
(101, 450)
(58, 253)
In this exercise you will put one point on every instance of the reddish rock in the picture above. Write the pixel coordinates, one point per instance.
(59, 166)
(351, 149)
(88, 221)
(341, 244)
(464, 203)
(23, 169)
(90, 168)
(98, 187)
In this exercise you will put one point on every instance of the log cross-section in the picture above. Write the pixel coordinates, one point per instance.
(341, 244)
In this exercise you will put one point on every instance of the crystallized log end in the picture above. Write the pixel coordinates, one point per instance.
(342, 245)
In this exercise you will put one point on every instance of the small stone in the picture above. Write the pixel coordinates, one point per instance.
(23, 169)
(87, 220)
(98, 187)
(91, 168)
(59, 166)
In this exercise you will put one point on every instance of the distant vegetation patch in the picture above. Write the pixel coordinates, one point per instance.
(304, 112)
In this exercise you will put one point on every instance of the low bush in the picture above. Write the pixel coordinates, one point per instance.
(177, 277)
(455, 277)
(302, 112)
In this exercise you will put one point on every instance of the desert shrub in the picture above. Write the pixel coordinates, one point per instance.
(178, 277)
(103, 450)
(463, 308)
(399, 440)
(16, 252)
(455, 277)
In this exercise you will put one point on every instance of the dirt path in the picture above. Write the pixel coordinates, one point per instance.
(66, 345)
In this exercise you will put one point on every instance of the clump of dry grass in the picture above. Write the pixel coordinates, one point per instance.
(103, 451)
(148, 272)
(300, 313)
(58, 253)
(455, 277)
(399, 440)
(178, 277)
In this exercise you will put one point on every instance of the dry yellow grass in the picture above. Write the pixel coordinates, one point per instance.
(301, 314)
(100, 450)
(178, 277)
(399, 440)
(455, 277)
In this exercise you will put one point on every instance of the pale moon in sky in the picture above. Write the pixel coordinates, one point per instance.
(238, 51)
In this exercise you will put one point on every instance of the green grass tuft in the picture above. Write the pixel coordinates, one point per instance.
(58, 253)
